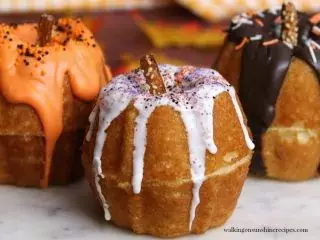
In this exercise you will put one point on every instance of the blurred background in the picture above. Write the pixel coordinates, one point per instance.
(177, 31)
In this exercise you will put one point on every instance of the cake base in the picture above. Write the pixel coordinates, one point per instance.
(291, 154)
(167, 204)
(21, 159)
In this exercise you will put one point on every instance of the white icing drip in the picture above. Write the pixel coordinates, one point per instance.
(92, 118)
(256, 37)
(96, 164)
(315, 44)
(247, 138)
(274, 10)
(197, 156)
(139, 141)
(110, 108)
(193, 98)
(310, 43)
(107, 215)
(207, 125)
(261, 14)
(241, 19)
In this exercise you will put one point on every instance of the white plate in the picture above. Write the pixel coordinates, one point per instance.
(70, 212)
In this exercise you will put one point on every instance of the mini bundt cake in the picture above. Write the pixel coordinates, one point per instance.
(50, 76)
(273, 60)
(168, 149)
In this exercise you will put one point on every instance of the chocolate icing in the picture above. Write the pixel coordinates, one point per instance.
(264, 68)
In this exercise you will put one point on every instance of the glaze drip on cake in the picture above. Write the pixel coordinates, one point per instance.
(188, 90)
(269, 40)
(35, 75)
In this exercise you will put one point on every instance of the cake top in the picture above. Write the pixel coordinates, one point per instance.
(280, 26)
(182, 86)
(186, 89)
(35, 60)
(56, 35)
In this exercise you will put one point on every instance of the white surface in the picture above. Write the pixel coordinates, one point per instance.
(71, 213)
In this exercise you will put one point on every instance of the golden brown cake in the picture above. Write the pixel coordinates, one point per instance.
(50, 74)
(168, 149)
(273, 60)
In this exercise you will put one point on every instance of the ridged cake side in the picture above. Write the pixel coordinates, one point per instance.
(291, 144)
(162, 208)
(22, 143)
(290, 147)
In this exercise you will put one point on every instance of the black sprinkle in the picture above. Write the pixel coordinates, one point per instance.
(79, 38)
(65, 42)
(13, 25)
(60, 28)
(28, 53)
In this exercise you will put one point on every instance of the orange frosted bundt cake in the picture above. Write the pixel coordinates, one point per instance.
(50, 74)
(273, 60)
(168, 149)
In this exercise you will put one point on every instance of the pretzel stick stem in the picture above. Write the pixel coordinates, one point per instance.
(45, 29)
(152, 74)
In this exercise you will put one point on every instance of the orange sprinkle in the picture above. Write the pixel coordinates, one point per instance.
(259, 22)
(243, 42)
(251, 13)
(271, 42)
(278, 20)
(191, 26)
(315, 18)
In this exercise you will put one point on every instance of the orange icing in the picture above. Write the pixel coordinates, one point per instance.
(35, 75)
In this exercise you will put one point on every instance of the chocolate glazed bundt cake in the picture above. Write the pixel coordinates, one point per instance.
(168, 149)
(273, 60)
(50, 74)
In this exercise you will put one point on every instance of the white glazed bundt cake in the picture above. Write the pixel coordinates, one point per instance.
(168, 149)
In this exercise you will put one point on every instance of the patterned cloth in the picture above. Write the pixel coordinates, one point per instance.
(209, 9)
(55, 5)
(219, 9)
